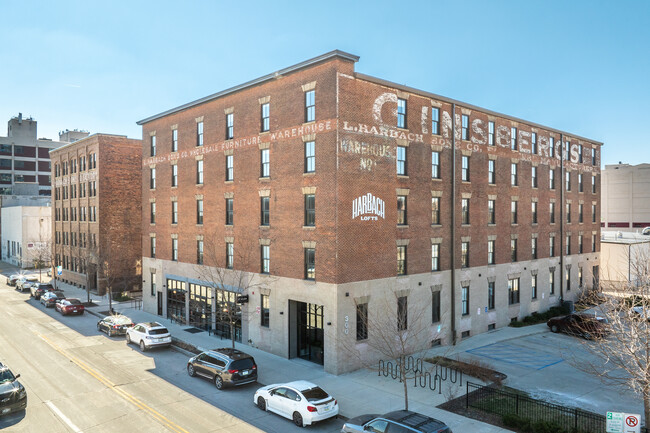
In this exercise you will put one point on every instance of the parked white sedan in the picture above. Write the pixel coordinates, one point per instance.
(301, 401)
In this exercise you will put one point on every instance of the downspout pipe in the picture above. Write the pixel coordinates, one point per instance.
(453, 224)
(562, 216)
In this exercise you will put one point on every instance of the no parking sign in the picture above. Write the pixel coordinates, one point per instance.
(619, 422)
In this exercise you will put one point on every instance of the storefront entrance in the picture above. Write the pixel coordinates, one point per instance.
(176, 291)
(306, 338)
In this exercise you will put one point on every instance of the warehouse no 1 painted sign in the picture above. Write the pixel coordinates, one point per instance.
(368, 208)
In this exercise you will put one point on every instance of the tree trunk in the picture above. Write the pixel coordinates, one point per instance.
(232, 333)
(110, 301)
(646, 408)
(402, 372)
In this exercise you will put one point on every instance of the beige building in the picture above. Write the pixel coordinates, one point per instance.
(625, 197)
(26, 235)
(624, 258)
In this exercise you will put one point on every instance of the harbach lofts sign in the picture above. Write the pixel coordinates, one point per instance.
(368, 208)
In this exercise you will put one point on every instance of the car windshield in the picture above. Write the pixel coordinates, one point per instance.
(6, 375)
(242, 364)
(46, 287)
(122, 320)
(315, 394)
(158, 331)
(74, 301)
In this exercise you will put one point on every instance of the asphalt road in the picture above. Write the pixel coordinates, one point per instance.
(80, 380)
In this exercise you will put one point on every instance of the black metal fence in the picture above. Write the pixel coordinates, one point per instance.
(500, 402)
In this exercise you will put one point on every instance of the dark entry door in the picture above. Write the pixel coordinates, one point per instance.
(310, 334)
(596, 277)
(160, 304)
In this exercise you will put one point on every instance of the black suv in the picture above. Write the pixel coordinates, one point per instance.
(13, 396)
(224, 366)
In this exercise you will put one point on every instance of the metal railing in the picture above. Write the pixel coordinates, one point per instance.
(410, 368)
(501, 402)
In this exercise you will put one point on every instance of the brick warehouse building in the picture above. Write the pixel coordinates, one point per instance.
(296, 168)
(96, 212)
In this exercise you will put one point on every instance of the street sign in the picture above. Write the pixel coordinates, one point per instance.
(59, 270)
(619, 422)
(242, 299)
(632, 423)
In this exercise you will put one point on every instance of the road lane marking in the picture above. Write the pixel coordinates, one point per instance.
(63, 418)
(155, 414)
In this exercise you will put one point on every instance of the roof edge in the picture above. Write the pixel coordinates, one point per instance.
(470, 106)
(260, 80)
(95, 135)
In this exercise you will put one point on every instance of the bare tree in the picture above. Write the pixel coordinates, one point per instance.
(228, 269)
(116, 271)
(398, 326)
(623, 357)
(40, 253)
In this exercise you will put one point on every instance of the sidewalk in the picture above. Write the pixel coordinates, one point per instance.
(359, 392)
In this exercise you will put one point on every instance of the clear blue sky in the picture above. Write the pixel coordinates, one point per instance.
(579, 66)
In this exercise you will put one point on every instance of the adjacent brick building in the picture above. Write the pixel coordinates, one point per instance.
(96, 211)
(347, 194)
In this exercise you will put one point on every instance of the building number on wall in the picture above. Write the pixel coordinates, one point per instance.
(347, 325)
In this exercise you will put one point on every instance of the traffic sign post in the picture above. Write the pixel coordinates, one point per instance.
(632, 423)
(619, 422)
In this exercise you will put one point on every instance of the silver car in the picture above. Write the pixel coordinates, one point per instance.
(402, 421)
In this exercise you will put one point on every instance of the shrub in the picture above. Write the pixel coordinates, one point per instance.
(516, 421)
(536, 317)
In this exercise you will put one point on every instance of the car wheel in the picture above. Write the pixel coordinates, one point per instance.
(555, 329)
(142, 346)
(261, 403)
(190, 370)
(218, 382)
(297, 419)
(128, 338)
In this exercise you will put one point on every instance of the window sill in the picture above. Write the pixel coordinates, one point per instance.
(174, 224)
(265, 178)
(265, 132)
(402, 176)
(465, 225)
(309, 280)
(514, 224)
(174, 186)
(311, 173)
(467, 182)
(402, 226)
(402, 276)
(310, 122)
(199, 145)
(436, 179)
(199, 185)
(492, 184)
(436, 226)
(309, 227)
(228, 226)
(266, 227)
(228, 181)
(199, 224)
(492, 225)
(152, 224)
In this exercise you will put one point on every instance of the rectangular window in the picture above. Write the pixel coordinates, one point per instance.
(435, 307)
(230, 211)
(174, 250)
(265, 255)
(266, 120)
(533, 248)
(581, 213)
(402, 313)
(265, 215)
(551, 210)
(593, 213)
(174, 212)
(491, 211)
(533, 176)
(230, 255)
(464, 297)
(401, 113)
(580, 187)
(568, 245)
(580, 237)
(435, 210)
(265, 163)
(465, 127)
(533, 209)
(152, 145)
(464, 255)
(435, 121)
(551, 281)
(513, 138)
(229, 168)
(551, 146)
(580, 277)
(435, 165)
(199, 252)
(491, 133)
(152, 179)
(551, 246)
(567, 146)
(401, 210)
(513, 174)
(362, 322)
(593, 184)
(593, 243)
(533, 286)
(568, 280)
(310, 210)
(401, 260)
(513, 250)
(491, 295)
(491, 255)
(492, 179)
(401, 161)
(174, 140)
(199, 211)
(465, 211)
(310, 263)
(580, 154)
(513, 291)
(568, 213)
(265, 313)
(513, 212)
(152, 206)
(568, 181)
(175, 175)
(153, 283)
(199, 172)
(310, 156)
(230, 126)
(533, 142)
(593, 156)
(435, 257)
(153, 246)
(310, 106)
(551, 178)
(199, 133)
(465, 169)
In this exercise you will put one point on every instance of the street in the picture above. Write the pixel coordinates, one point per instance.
(80, 380)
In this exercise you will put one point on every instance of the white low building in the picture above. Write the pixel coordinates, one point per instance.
(26, 235)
